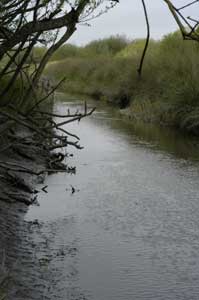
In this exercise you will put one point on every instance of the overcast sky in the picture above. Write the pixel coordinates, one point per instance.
(127, 18)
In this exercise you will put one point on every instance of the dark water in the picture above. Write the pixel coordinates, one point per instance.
(130, 230)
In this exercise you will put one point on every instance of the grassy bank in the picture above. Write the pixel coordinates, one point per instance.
(167, 93)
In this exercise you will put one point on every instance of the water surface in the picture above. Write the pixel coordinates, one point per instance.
(131, 228)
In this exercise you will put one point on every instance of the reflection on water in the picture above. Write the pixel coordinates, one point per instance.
(131, 229)
(164, 139)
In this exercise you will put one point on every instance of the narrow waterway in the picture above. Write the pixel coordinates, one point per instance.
(129, 231)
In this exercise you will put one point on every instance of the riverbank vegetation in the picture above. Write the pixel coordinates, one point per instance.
(167, 93)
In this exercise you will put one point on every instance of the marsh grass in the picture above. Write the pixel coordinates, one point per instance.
(167, 93)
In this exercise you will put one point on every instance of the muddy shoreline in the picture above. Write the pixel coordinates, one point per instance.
(26, 247)
(17, 192)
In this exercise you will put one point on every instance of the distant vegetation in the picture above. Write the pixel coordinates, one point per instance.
(167, 93)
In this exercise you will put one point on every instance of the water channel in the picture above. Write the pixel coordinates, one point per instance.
(130, 231)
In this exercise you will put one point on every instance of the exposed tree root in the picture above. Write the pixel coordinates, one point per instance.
(28, 150)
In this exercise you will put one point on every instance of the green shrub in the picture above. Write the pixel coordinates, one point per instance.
(65, 51)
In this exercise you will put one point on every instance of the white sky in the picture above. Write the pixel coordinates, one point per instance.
(127, 18)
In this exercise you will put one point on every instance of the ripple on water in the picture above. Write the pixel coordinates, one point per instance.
(131, 232)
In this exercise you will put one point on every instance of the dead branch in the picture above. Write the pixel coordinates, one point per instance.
(57, 115)
(76, 118)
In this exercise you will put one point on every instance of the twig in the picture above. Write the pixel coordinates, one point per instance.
(57, 115)
(78, 118)
(187, 5)
(44, 189)
(46, 97)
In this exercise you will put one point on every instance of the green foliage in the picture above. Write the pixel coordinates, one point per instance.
(106, 47)
(64, 52)
(38, 53)
(135, 48)
(168, 91)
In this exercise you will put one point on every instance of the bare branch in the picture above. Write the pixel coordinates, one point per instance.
(147, 39)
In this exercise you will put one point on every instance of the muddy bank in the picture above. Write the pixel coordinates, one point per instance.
(31, 263)
(17, 191)
(25, 246)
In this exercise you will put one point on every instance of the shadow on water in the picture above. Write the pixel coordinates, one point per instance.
(171, 141)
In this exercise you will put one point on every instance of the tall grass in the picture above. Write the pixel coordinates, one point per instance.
(167, 93)
(107, 47)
